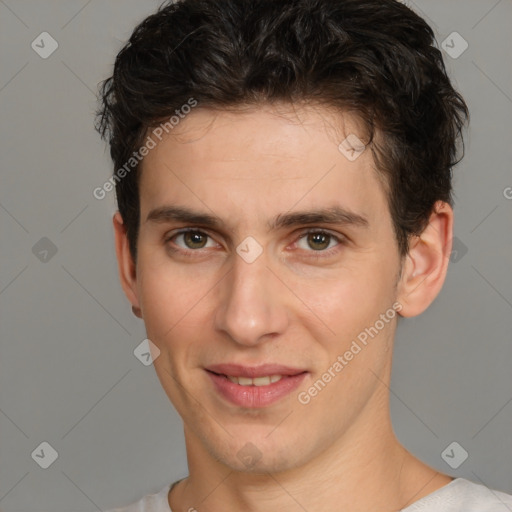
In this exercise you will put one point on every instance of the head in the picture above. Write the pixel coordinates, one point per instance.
(257, 116)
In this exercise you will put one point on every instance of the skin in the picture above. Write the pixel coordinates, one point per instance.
(339, 451)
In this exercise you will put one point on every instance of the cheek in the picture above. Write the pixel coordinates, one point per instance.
(342, 306)
(169, 299)
(360, 287)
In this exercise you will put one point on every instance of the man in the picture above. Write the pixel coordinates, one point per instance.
(283, 176)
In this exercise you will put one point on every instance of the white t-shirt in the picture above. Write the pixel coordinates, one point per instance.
(460, 495)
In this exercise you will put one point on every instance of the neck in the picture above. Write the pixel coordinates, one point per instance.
(367, 470)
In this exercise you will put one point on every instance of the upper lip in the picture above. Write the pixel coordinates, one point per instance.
(263, 370)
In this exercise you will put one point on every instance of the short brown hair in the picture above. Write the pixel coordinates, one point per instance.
(375, 58)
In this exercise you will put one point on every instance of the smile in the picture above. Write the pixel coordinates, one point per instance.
(254, 387)
(258, 381)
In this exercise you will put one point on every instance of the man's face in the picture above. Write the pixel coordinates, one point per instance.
(245, 293)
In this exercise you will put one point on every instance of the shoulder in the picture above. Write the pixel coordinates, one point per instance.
(156, 502)
(462, 495)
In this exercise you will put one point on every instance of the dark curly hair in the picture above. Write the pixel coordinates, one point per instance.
(374, 58)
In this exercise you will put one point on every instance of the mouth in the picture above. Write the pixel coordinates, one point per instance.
(254, 387)
(258, 381)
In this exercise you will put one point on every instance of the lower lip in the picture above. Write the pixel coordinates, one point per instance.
(256, 396)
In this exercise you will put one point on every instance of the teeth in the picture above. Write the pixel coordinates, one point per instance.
(258, 381)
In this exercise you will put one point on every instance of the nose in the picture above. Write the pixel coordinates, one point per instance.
(252, 307)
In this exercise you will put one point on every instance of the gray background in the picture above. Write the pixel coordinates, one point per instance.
(68, 374)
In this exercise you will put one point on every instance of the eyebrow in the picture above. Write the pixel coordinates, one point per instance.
(330, 215)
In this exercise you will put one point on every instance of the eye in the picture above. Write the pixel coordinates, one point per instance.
(192, 239)
(320, 241)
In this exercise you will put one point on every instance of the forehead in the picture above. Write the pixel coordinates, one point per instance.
(251, 165)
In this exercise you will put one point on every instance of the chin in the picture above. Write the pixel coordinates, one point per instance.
(259, 455)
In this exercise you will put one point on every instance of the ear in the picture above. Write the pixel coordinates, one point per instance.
(125, 264)
(426, 263)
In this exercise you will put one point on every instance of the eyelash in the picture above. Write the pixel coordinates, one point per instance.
(189, 253)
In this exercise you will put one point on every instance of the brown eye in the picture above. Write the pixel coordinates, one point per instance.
(318, 241)
(194, 239)
(190, 240)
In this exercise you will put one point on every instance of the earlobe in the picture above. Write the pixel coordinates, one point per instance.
(125, 263)
(426, 263)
